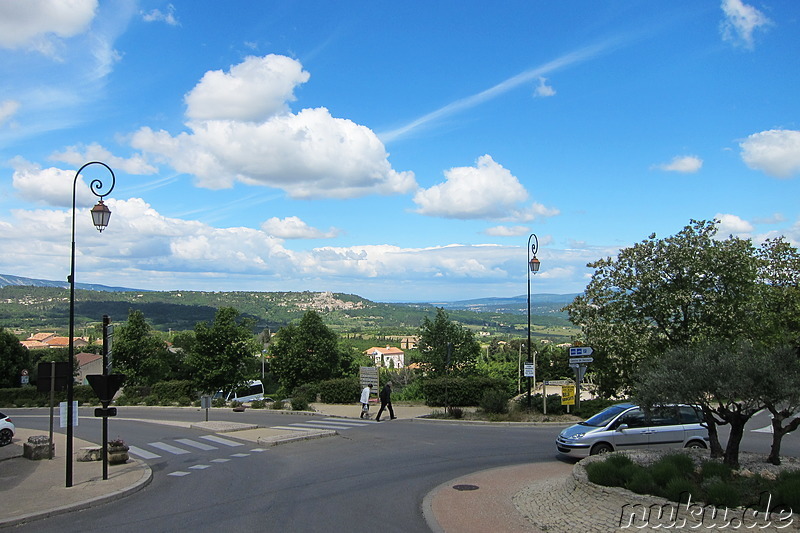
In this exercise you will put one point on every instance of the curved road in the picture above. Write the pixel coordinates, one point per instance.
(371, 476)
(368, 477)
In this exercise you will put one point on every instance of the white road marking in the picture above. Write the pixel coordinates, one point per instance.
(168, 448)
(220, 440)
(195, 444)
(144, 454)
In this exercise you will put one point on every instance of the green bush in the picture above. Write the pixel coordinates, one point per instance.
(671, 466)
(258, 404)
(456, 413)
(410, 393)
(307, 392)
(494, 401)
(679, 489)
(720, 493)
(152, 399)
(642, 482)
(606, 473)
(218, 402)
(173, 391)
(787, 490)
(300, 403)
(710, 469)
(184, 401)
(457, 391)
(344, 390)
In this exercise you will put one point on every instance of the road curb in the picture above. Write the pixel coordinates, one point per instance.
(296, 437)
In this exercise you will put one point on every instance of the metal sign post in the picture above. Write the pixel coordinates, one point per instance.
(578, 359)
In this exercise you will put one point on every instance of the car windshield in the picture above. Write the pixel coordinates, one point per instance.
(605, 416)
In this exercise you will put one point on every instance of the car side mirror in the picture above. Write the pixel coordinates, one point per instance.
(622, 426)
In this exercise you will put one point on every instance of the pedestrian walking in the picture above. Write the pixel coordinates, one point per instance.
(365, 392)
(386, 401)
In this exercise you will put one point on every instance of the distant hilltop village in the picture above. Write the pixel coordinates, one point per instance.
(326, 301)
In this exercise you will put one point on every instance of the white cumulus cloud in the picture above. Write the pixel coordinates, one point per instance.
(241, 130)
(40, 24)
(732, 225)
(295, 228)
(255, 89)
(740, 21)
(485, 191)
(774, 152)
(685, 164)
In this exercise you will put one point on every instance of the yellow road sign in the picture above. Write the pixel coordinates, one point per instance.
(568, 395)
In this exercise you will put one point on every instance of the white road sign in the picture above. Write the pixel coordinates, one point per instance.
(577, 360)
(529, 371)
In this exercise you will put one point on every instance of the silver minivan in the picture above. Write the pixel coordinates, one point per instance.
(624, 426)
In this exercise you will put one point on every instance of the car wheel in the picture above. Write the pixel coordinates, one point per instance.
(5, 436)
(696, 445)
(601, 448)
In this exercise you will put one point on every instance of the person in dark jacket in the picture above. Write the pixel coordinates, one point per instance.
(386, 401)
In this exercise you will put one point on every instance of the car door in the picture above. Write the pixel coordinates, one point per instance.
(667, 430)
(631, 430)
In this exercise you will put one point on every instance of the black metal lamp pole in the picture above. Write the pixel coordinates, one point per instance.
(100, 217)
(533, 266)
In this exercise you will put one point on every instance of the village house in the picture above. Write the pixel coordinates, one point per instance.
(88, 363)
(51, 340)
(389, 357)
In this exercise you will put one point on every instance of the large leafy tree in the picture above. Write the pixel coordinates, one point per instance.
(222, 355)
(138, 352)
(305, 352)
(663, 293)
(442, 340)
(14, 358)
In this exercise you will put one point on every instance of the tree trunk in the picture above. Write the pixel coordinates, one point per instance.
(778, 431)
(713, 436)
(732, 449)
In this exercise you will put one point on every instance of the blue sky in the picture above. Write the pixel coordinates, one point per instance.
(401, 151)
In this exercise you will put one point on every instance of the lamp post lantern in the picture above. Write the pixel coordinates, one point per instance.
(533, 266)
(100, 217)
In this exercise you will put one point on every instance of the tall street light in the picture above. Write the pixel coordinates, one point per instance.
(533, 266)
(100, 217)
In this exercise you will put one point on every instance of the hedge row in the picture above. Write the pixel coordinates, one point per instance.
(459, 391)
(31, 397)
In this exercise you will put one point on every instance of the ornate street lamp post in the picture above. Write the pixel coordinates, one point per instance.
(533, 266)
(100, 217)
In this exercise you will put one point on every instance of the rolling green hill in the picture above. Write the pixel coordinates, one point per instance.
(27, 309)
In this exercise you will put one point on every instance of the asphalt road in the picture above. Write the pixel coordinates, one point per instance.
(369, 477)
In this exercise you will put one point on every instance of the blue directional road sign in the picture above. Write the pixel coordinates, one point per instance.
(580, 351)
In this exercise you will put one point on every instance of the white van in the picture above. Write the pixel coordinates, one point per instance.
(252, 390)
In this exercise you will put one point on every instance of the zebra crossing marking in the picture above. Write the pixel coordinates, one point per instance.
(220, 440)
(167, 448)
(179, 473)
(144, 454)
(195, 444)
